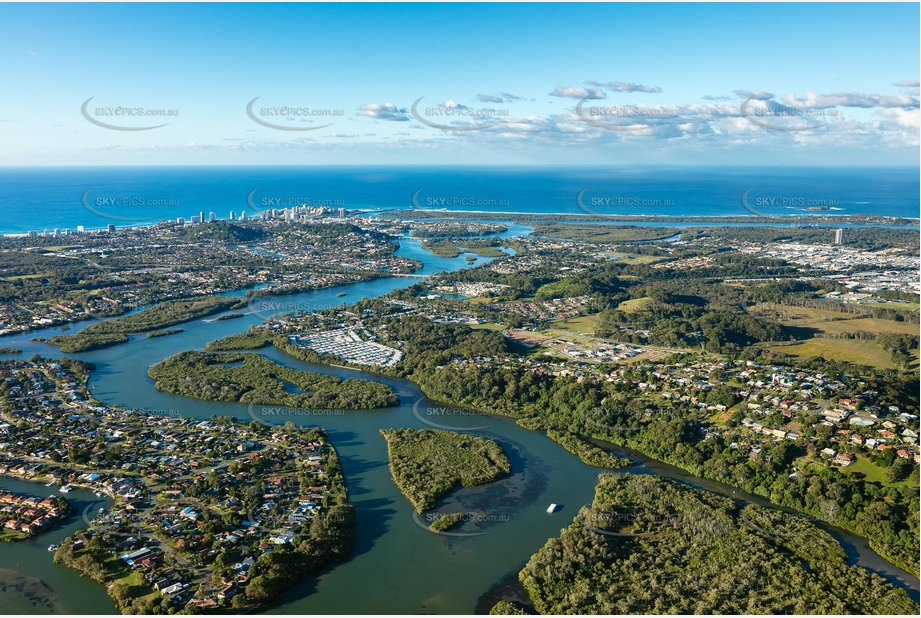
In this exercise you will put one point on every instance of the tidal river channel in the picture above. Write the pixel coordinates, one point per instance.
(397, 565)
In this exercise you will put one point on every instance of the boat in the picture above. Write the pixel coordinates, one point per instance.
(66, 488)
(551, 508)
(52, 547)
(49, 483)
(98, 494)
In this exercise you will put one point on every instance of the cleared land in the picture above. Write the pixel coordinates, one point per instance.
(835, 323)
(860, 352)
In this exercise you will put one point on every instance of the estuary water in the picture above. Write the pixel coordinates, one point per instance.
(397, 566)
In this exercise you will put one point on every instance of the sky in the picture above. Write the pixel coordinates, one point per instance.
(510, 84)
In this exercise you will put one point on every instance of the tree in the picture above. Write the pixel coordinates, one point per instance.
(898, 471)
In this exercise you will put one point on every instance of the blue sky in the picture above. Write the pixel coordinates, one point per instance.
(717, 84)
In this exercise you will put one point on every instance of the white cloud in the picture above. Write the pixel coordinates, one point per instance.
(850, 99)
(624, 87)
(578, 92)
(758, 95)
(384, 111)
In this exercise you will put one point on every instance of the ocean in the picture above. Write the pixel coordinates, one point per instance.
(67, 197)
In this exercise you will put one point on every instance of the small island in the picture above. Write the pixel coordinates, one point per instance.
(116, 330)
(443, 523)
(427, 464)
(251, 378)
(10, 350)
(164, 332)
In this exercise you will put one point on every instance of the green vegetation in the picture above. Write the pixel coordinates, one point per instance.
(426, 464)
(857, 338)
(79, 342)
(603, 233)
(113, 331)
(447, 521)
(506, 608)
(10, 350)
(451, 248)
(847, 350)
(586, 451)
(651, 546)
(885, 514)
(252, 340)
(231, 316)
(636, 304)
(251, 378)
(163, 333)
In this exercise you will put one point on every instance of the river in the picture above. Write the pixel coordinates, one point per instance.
(397, 566)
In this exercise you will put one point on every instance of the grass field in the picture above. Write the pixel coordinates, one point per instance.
(860, 352)
(872, 325)
(577, 326)
(635, 304)
(863, 352)
(870, 470)
(900, 306)
(626, 258)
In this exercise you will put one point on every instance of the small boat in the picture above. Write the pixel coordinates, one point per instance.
(49, 483)
(52, 547)
(66, 488)
(102, 510)
(551, 508)
(98, 494)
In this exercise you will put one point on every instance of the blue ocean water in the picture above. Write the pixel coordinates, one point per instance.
(48, 198)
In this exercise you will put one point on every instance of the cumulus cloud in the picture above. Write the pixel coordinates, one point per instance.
(851, 99)
(758, 95)
(624, 87)
(384, 111)
(502, 97)
(907, 83)
(578, 92)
